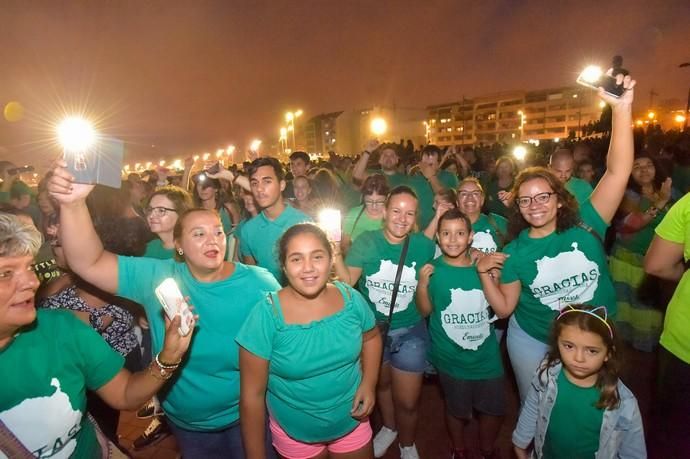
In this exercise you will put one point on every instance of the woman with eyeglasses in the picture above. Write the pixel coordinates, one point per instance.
(369, 215)
(164, 207)
(558, 257)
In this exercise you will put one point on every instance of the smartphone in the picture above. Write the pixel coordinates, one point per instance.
(214, 169)
(593, 77)
(173, 303)
(330, 222)
(99, 164)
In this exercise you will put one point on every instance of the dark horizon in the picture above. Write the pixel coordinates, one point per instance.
(193, 77)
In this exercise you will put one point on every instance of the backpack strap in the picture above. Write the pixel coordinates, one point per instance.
(10, 445)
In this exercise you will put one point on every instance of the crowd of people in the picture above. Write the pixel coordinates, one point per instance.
(299, 337)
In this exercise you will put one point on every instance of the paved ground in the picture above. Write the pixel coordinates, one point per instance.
(638, 374)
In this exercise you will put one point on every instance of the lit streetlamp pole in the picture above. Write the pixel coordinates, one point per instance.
(290, 118)
(522, 123)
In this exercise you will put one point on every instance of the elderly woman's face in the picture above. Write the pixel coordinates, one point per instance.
(18, 285)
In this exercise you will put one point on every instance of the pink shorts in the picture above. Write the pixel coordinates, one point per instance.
(290, 448)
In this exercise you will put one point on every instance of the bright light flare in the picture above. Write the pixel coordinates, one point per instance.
(76, 134)
(679, 119)
(254, 146)
(378, 126)
(520, 152)
(651, 115)
(591, 74)
(230, 150)
(330, 221)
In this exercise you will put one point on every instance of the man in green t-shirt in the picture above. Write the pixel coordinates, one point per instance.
(431, 181)
(667, 258)
(562, 164)
(389, 159)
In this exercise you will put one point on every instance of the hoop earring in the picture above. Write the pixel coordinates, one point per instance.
(180, 252)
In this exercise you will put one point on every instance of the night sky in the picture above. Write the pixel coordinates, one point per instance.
(193, 76)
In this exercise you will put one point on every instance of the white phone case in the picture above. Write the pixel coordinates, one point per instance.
(173, 302)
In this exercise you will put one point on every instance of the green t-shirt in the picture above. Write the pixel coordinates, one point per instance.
(575, 422)
(492, 204)
(490, 233)
(259, 237)
(155, 249)
(681, 179)
(557, 270)
(205, 393)
(364, 223)
(639, 241)
(425, 194)
(675, 227)
(314, 368)
(45, 372)
(379, 259)
(463, 343)
(579, 188)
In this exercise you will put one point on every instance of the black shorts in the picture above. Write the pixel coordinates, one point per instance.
(463, 396)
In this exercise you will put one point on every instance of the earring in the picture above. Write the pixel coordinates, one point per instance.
(180, 252)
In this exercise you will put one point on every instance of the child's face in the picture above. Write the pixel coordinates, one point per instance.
(454, 237)
(583, 354)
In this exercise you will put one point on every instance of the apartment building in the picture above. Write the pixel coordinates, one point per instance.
(513, 116)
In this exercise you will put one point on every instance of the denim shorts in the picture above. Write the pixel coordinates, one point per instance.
(406, 348)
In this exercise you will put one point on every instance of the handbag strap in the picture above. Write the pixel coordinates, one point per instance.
(398, 274)
(10, 444)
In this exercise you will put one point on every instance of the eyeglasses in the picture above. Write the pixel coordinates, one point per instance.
(158, 211)
(466, 194)
(541, 198)
(372, 203)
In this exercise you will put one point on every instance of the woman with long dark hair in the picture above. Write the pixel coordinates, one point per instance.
(644, 206)
(557, 257)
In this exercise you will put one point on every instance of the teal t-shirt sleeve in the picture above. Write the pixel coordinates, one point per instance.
(256, 334)
(591, 217)
(134, 275)
(99, 362)
(244, 246)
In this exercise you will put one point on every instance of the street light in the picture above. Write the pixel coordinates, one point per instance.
(254, 146)
(651, 115)
(378, 126)
(522, 123)
(283, 139)
(290, 118)
(680, 119)
(520, 152)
